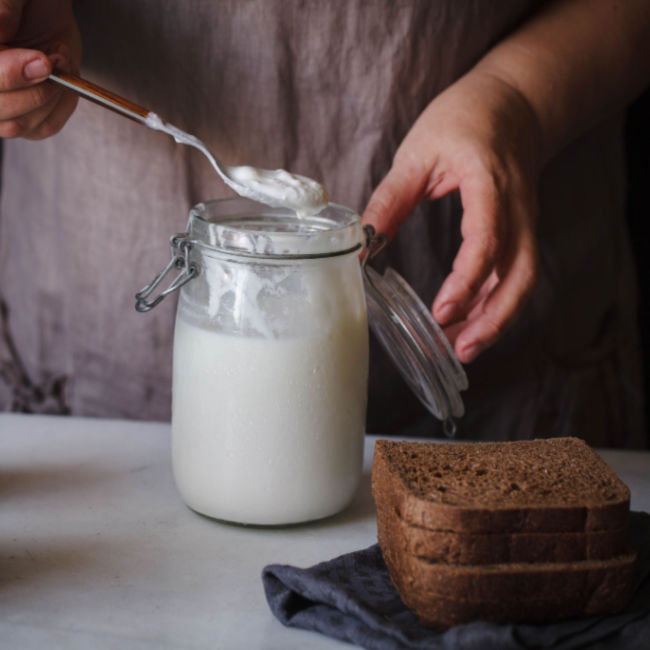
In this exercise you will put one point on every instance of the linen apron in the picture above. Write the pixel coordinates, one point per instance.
(328, 90)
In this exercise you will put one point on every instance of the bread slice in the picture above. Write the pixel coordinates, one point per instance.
(443, 613)
(495, 548)
(527, 531)
(535, 486)
(442, 595)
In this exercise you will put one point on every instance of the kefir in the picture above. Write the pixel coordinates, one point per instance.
(269, 431)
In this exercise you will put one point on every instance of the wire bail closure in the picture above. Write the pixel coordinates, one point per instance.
(180, 246)
(375, 243)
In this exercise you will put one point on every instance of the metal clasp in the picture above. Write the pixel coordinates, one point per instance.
(375, 243)
(180, 246)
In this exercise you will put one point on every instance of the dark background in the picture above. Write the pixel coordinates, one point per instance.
(637, 140)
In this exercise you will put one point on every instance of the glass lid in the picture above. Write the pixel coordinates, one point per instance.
(415, 342)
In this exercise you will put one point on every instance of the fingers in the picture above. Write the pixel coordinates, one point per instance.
(396, 196)
(55, 120)
(15, 103)
(21, 68)
(483, 210)
(25, 121)
(495, 268)
(506, 289)
(500, 308)
(29, 107)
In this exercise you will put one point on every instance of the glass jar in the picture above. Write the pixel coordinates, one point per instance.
(271, 358)
(270, 363)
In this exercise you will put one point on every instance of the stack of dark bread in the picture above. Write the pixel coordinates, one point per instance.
(530, 531)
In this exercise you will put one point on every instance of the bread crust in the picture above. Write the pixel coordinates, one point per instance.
(459, 547)
(442, 595)
(535, 517)
(494, 548)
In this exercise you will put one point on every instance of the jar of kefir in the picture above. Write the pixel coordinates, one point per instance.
(270, 362)
(271, 358)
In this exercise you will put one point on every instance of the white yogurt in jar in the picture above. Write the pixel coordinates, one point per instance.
(269, 431)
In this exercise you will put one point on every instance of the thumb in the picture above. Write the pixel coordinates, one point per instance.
(11, 12)
(396, 196)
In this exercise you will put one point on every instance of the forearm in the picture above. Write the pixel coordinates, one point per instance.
(575, 62)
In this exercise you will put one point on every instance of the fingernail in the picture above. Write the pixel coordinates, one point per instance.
(447, 311)
(471, 352)
(36, 69)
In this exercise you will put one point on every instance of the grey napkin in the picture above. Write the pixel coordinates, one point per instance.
(351, 598)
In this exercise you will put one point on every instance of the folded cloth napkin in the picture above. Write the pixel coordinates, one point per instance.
(351, 598)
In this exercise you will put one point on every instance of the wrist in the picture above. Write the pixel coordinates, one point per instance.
(513, 118)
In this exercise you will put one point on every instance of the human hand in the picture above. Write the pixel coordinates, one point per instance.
(35, 36)
(480, 137)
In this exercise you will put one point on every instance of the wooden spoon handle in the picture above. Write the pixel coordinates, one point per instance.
(101, 96)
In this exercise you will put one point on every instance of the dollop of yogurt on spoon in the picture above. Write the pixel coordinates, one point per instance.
(277, 188)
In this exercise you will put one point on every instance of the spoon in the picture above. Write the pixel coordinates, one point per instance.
(277, 188)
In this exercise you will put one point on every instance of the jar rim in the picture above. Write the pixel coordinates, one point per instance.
(246, 228)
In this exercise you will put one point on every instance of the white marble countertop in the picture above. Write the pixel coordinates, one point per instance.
(98, 551)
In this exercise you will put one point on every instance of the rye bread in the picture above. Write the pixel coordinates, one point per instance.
(442, 595)
(535, 486)
(443, 613)
(495, 548)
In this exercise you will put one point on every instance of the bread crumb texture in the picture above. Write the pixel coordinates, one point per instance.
(555, 471)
